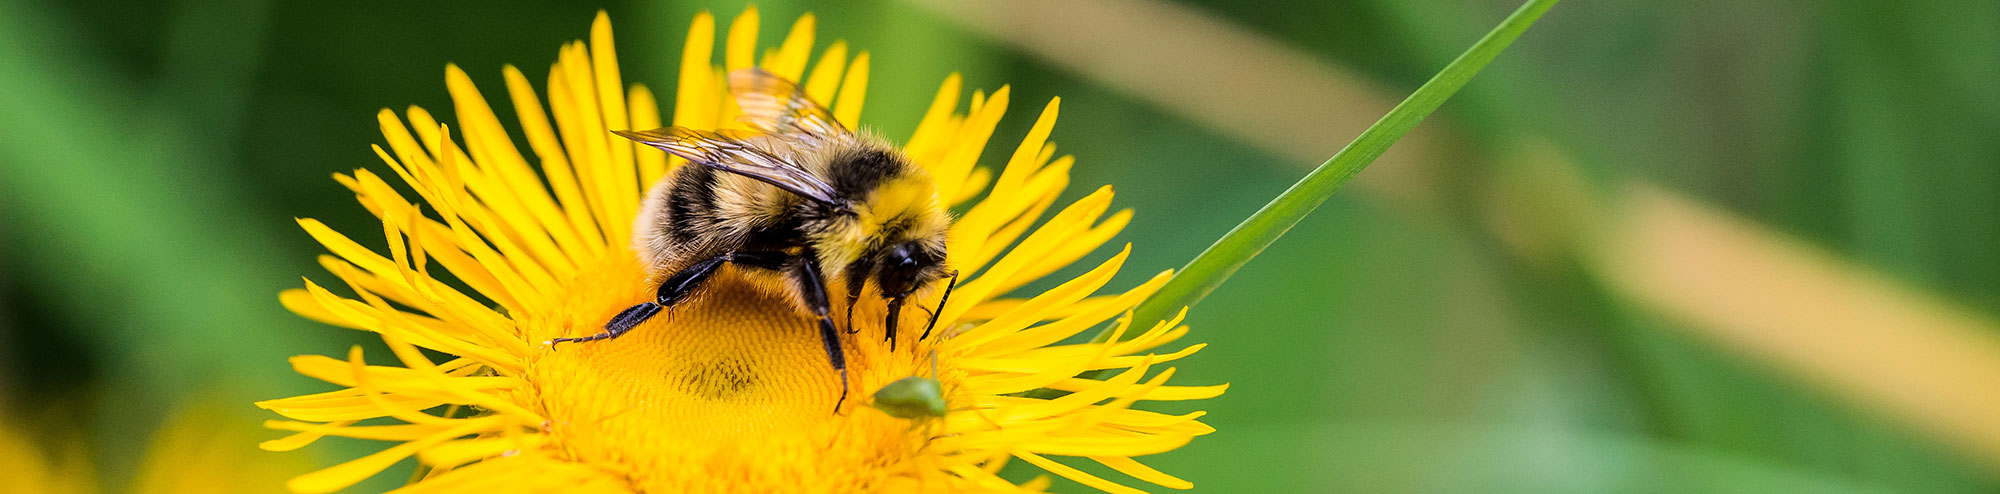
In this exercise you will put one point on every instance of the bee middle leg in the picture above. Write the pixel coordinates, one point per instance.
(804, 270)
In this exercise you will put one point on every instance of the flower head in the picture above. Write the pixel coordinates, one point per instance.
(501, 251)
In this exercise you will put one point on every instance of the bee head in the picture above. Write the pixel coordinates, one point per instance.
(904, 267)
(900, 270)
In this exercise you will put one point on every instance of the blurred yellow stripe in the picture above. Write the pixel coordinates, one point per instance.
(1837, 323)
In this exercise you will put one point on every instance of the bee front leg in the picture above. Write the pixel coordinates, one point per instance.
(804, 271)
(889, 324)
(857, 279)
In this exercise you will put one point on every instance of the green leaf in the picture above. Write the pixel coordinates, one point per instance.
(1215, 265)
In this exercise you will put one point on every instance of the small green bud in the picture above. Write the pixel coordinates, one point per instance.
(911, 397)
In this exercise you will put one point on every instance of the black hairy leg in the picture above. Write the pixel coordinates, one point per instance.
(857, 279)
(940, 305)
(804, 270)
(677, 288)
(889, 323)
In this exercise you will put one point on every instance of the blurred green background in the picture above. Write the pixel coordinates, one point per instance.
(1406, 338)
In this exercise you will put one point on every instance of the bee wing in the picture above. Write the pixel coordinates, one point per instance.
(775, 106)
(729, 154)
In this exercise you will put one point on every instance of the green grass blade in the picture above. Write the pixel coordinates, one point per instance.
(1215, 265)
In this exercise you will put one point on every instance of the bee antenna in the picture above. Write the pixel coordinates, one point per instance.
(940, 307)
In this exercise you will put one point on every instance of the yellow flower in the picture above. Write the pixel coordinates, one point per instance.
(199, 450)
(33, 467)
(733, 392)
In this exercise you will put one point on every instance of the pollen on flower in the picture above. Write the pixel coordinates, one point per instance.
(506, 247)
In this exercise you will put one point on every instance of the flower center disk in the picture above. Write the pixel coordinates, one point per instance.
(731, 384)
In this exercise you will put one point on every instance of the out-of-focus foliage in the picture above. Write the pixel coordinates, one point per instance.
(153, 153)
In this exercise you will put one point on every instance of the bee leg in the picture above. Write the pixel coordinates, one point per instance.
(940, 307)
(889, 324)
(812, 286)
(851, 300)
(675, 289)
(857, 279)
(619, 324)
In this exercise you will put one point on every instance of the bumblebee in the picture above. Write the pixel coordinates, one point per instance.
(800, 205)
